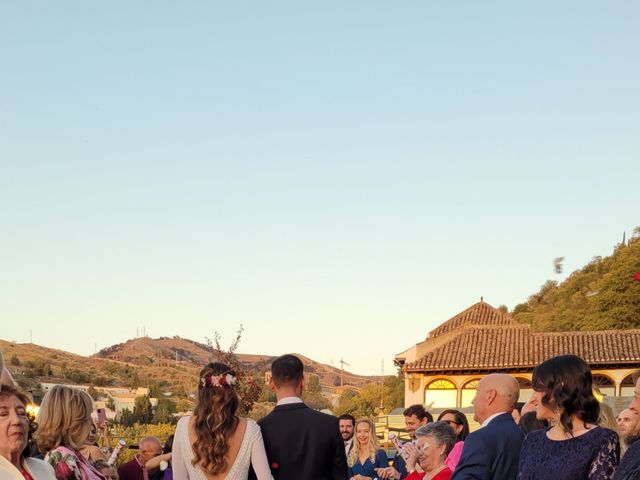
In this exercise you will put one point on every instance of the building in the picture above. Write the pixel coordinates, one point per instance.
(443, 370)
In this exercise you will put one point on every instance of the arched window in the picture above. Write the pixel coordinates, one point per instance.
(469, 391)
(525, 389)
(440, 393)
(627, 386)
(604, 384)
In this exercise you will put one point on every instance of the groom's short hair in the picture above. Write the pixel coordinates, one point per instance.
(287, 370)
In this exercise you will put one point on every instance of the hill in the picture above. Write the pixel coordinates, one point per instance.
(171, 363)
(602, 295)
(145, 351)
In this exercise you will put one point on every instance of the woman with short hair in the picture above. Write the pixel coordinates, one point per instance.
(14, 436)
(575, 446)
(434, 442)
(64, 423)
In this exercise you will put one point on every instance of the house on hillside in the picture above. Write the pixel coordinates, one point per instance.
(443, 370)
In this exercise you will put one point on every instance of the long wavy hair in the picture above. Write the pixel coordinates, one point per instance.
(216, 419)
(567, 384)
(372, 446)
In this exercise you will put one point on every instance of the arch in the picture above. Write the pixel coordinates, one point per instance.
(526, 389)
(441, 393)
(627, 386)
(604, 384)
(468, 392)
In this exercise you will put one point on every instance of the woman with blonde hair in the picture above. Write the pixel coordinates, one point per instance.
(366, 455)
(214, 442)
(64, 423)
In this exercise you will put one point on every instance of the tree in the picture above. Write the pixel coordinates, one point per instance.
(15, 361)
(93, 393)
(142, 410)
(183, 405)
(395, 388)
(312, 393)
(164, 411)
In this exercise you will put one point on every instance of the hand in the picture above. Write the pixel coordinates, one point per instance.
(388, 473)
(413, 452)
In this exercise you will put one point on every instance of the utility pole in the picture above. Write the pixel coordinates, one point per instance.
(31, 336)
(342, 364)
(382, 389)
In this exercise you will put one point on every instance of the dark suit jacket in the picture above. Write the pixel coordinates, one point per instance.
(302, 444)
(492, 452)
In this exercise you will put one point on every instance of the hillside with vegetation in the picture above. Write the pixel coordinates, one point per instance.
(603, 295)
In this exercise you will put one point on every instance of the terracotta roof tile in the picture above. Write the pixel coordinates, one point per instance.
(483, 338)
(479, 314)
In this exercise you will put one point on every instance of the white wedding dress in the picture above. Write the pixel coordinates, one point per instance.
(251, 453)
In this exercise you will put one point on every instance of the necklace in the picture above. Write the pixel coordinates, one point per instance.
(432, 474)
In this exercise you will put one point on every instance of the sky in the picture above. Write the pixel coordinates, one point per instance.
(337, 177)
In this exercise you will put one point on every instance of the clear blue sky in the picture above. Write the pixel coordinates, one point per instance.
(339, 177)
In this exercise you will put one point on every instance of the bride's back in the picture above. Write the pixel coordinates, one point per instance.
(234, 442)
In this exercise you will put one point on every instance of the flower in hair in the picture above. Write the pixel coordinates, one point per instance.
(224, 380)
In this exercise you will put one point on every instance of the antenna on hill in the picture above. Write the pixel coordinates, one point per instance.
(30, 336)
(382, 389)
(624, 239)
(342, 364)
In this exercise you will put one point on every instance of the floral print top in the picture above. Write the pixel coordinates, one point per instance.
(71, 465)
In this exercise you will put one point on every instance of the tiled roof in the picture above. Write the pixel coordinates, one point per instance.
(491, 340)
(494, 348)
(479, 314)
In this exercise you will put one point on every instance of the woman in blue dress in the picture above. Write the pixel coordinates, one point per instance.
(366, 455)
(574, 447)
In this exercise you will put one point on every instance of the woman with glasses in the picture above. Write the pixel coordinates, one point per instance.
(458, 422)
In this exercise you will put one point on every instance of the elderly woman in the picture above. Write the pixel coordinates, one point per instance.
(14, 435)
(435, 441)
(64, 423)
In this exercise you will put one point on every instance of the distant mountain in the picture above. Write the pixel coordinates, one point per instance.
(173, 363)
(146, 351)
(603, 295)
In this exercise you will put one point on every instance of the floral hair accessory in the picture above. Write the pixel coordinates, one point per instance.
(224, 380)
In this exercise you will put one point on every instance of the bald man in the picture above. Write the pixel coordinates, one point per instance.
(629, 466)
(493, 451)
(149, 447)
(627, 424)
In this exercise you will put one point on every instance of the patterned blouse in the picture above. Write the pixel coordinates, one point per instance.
(591, 456)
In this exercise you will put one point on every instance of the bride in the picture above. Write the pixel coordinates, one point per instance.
(214, 442)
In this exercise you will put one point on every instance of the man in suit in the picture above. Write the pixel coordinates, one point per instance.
(301, 443)
(493, 451)
(347, 425)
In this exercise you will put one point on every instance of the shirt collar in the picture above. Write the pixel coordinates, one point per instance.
(289, 401)
(488, 420)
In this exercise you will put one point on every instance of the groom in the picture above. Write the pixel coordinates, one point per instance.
(301, 443)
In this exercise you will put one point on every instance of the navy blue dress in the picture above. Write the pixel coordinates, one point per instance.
(593, 456)
(368, 468)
